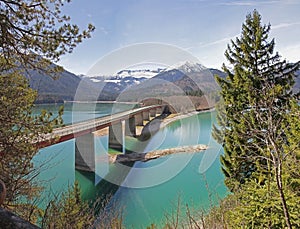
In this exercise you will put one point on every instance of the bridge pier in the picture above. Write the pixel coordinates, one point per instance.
(115, 137)
(85, 153)
(146, 116)
(139, 119)
(152, 113)
(84, 138)
(130, 128)
(159, 111)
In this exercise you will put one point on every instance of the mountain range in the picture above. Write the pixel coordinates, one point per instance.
(128, 85)
(58, 90)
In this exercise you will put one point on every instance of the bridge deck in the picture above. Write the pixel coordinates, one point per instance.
(65, 133)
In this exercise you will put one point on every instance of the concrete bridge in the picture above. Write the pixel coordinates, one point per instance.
(84, 137)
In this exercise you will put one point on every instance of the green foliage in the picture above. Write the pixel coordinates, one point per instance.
(255, 94)
(68, 211)
(292, 148)
(255, 206)
(36, 32)
(258, 128)
(109, 213)
(19, 130)
(198, 93)
(33, 33)
(259, 206)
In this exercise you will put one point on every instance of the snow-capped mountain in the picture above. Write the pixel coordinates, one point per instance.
(181, 79)
(184, 77)
(115, 84)
(125, 77)
(187, 77)
(137, 73)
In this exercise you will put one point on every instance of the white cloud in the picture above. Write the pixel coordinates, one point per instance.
(238, 3)
(285, 25)
(290, 2)
(224, 40)
(291, 53)
(249, 3)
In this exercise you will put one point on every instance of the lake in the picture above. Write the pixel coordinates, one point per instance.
(150, 189)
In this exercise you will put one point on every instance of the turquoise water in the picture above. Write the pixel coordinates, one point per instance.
(189, 175)
(151, 188)
(57, 162)
(75, 112)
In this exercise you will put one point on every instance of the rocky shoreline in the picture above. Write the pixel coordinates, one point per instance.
(133, 157)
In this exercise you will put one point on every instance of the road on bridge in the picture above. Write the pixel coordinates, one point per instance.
(68, 132)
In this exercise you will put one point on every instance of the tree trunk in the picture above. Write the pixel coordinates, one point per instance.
(2, 192)
(282, 196)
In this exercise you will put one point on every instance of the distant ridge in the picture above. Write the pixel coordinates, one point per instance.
(186, 78)
(129, 85)
(62, 89)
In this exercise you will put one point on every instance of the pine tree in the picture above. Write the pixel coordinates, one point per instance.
(68, 211)
(256, 98)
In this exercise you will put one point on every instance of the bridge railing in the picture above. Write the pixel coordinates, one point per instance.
(92, 125)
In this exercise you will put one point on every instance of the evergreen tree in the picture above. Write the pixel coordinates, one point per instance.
(68, 211)
(256, 100)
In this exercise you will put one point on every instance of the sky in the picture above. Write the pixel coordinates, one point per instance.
(196, 29)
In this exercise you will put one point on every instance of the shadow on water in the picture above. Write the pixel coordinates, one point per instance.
(100, 192)
(153, 126)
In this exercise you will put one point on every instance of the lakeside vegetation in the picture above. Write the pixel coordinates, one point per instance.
(259, 128)
(33, 35)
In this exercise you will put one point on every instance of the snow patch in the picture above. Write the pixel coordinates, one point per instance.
(187, 67)
(112, 81)
(95, 80)
(138, 73)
